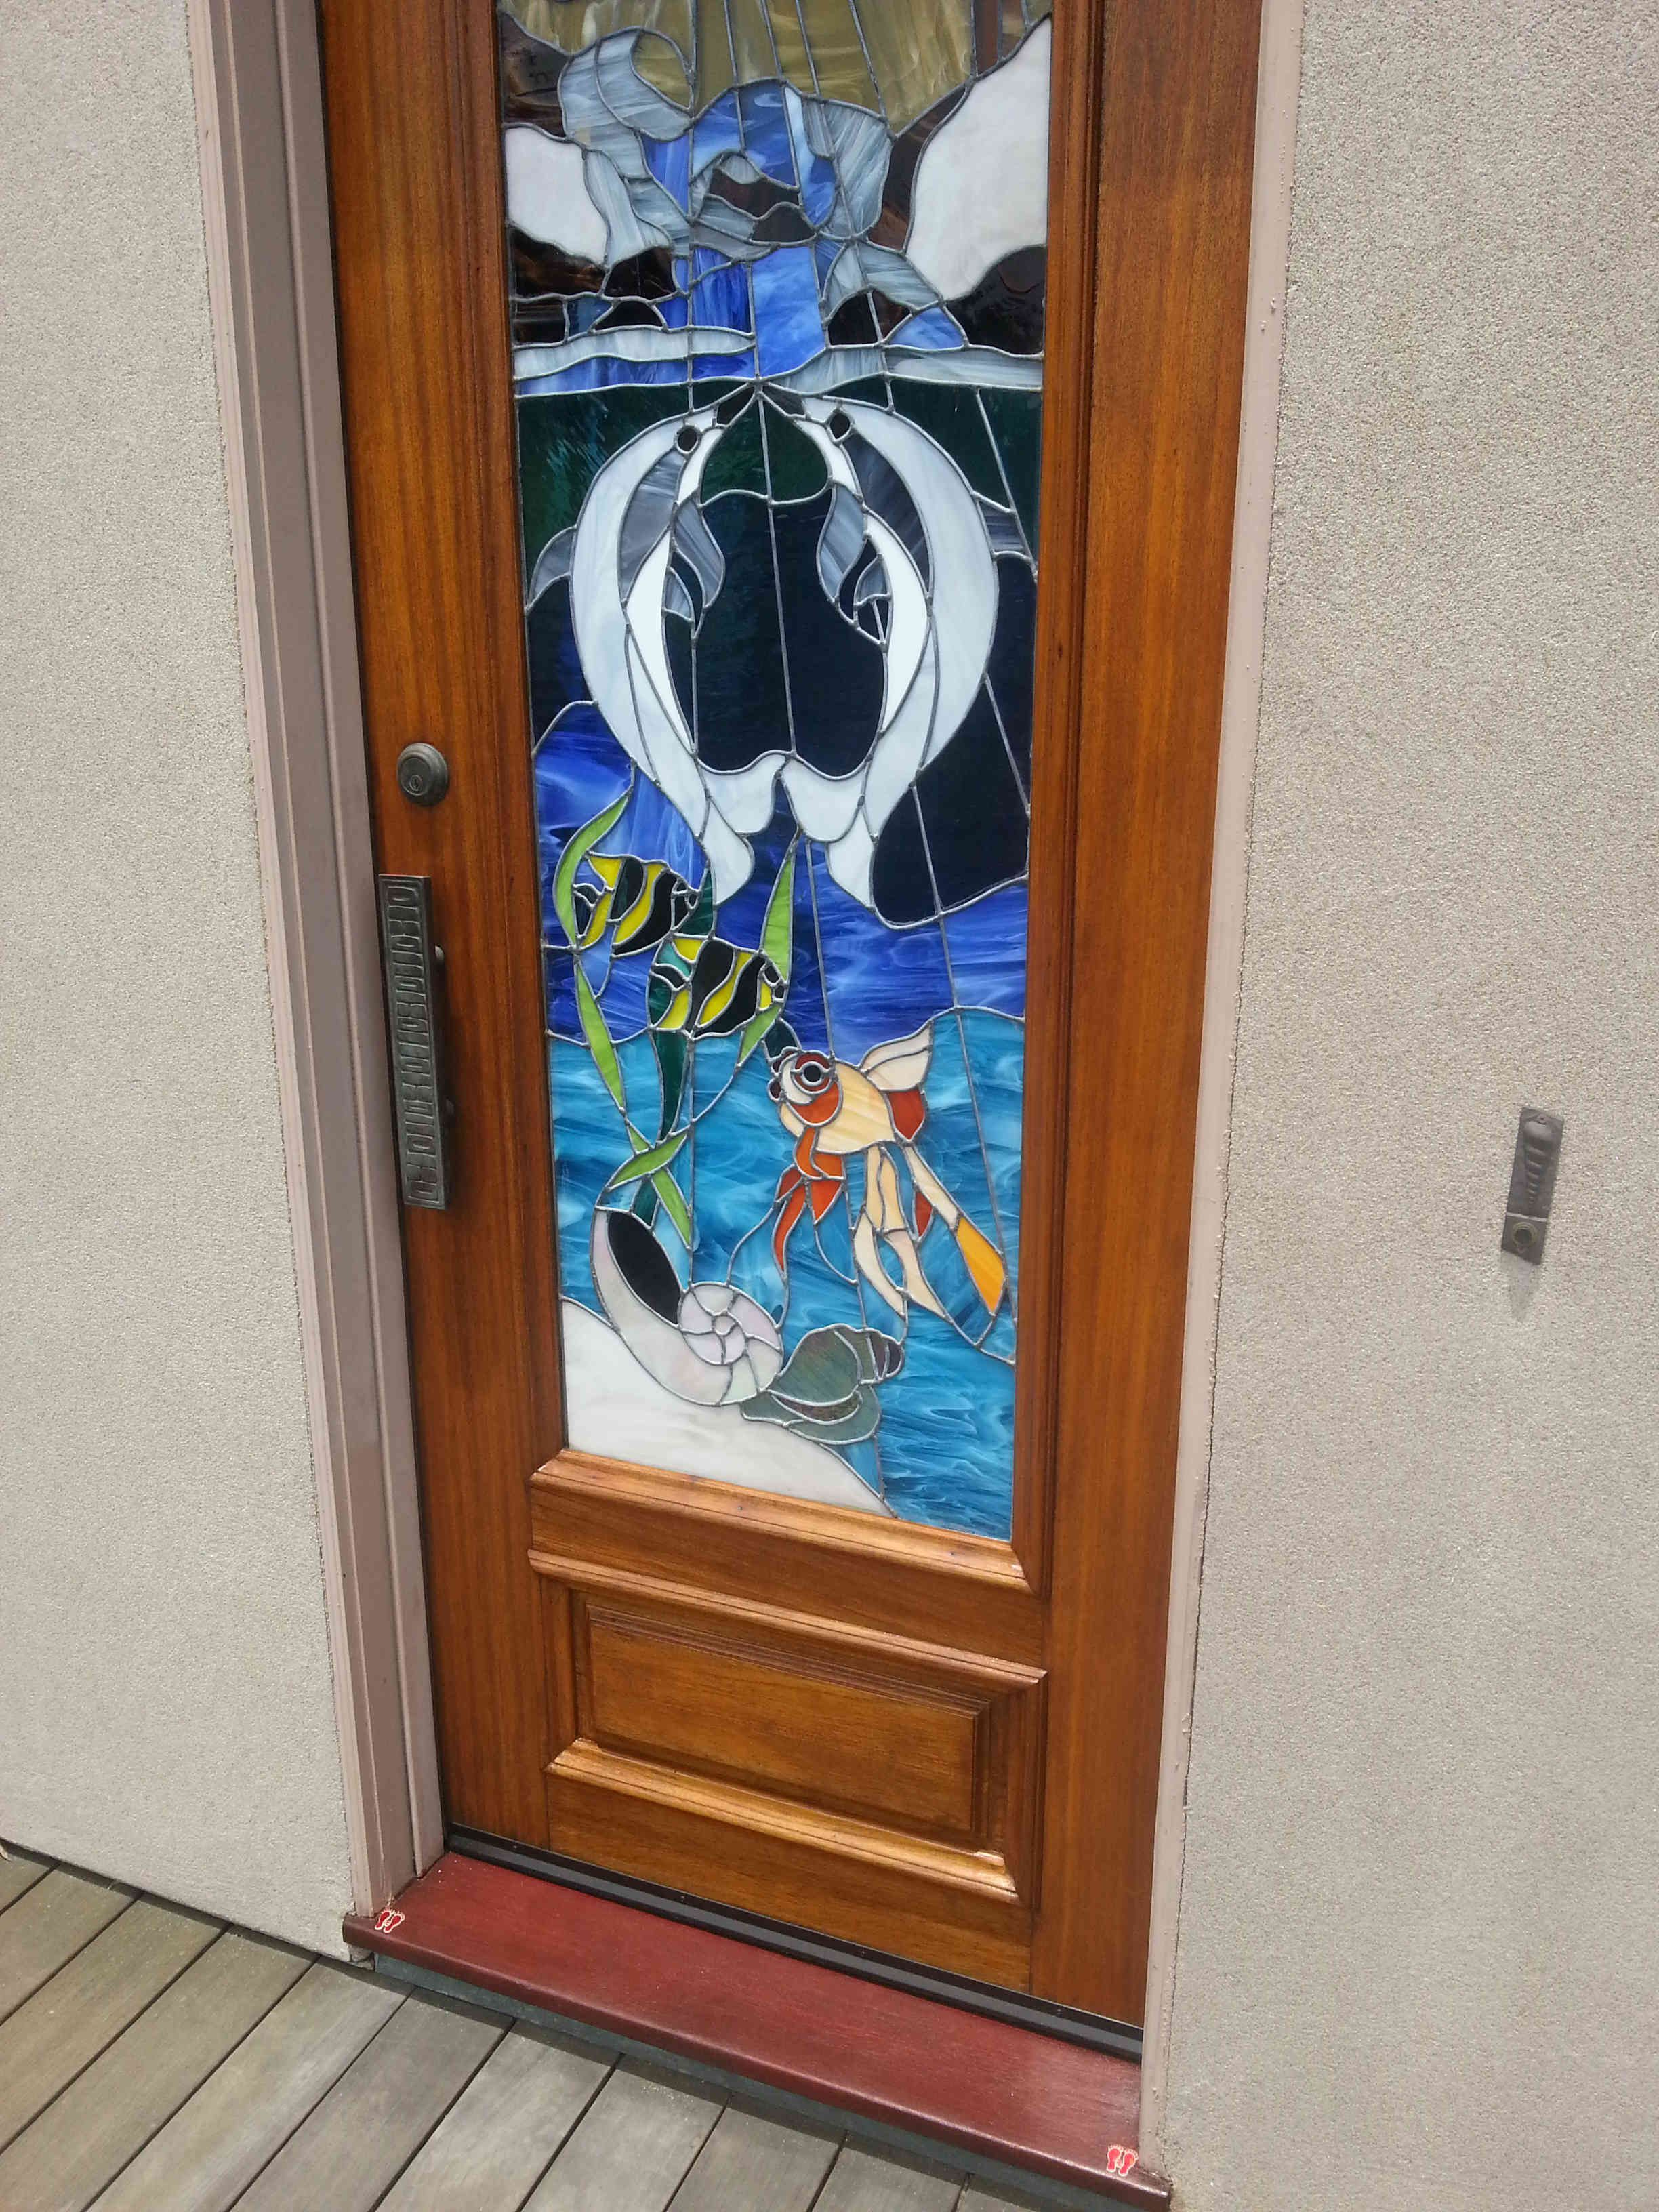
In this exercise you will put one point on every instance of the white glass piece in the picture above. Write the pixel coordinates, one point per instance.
(614, 1409)
(982, 187)
(547, 194)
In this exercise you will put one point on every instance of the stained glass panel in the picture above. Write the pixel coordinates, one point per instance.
(777, 304)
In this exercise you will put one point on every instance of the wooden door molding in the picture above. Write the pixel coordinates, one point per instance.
(1153, 117)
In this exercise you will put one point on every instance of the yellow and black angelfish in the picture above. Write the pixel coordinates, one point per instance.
(643, 901)
(703, 987)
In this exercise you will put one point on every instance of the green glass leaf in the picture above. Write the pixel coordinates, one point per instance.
(580, 845)
(598, 1040)
(755, 1028)
(645, 1164)
(673, 1059)
(778, 930)
(674, 1200)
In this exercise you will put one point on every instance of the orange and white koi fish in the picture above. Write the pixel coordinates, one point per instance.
(834, 1111)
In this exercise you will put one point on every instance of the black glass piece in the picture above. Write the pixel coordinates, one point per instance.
(795, 467)
(865, 319)
(645, 1266)
(531, 70)
(556, 672)
(885, 494)
(649, 276)
(830, 704)
(539, 270)
(631, 314)
(972, 799)
(731, 405)
(1006, 308)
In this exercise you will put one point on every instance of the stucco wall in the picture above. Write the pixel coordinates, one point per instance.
(166, 1705)
(1419, 1955)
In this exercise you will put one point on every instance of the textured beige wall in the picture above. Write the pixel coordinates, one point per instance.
(1418, 1950)
(166, 1705)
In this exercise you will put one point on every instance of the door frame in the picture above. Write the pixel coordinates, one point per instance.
(270, 283)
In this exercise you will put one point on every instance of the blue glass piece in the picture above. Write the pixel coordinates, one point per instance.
(720, 297)
(622, 995)
(934, 329)
(601, 371)
(717, 130)
(669, 161)
(788, 313)
(987, 943)
(883, 983)
(765, 137)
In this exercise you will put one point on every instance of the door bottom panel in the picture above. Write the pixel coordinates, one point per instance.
(881, 1788)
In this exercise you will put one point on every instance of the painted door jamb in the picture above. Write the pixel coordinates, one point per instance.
(270, 283)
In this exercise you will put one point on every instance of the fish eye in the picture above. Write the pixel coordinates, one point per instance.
(688, 437)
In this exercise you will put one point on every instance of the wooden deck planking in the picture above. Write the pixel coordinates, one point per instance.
(211, 2149)
(88, 2002)
(20, 1871)
(108, 2113)
(866, 2181)
(505, 2129)
(754, 2164)
(356, 2143)
(56, 1917)
(634, 2146)
(176, 2067)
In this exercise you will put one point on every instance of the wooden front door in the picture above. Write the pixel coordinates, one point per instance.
(793, 449)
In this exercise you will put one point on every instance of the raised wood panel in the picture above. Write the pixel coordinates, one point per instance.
(793, 1722)
(762, 1854)
(691, 1716)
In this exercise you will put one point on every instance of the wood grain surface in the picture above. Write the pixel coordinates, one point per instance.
(1152, 140)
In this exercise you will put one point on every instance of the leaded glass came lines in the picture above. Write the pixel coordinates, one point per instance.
(778, 322)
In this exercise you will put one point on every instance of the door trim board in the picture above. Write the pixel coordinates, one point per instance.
(891, 2056)
(268, 244)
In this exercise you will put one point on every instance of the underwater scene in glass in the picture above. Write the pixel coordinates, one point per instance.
(777, 318)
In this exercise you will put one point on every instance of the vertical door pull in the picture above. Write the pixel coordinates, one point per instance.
(420, 1094)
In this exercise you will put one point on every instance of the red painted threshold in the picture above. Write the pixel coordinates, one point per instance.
(983, 2084)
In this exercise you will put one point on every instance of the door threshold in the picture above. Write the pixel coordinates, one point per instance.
(1024, 2010)
(999, 2091)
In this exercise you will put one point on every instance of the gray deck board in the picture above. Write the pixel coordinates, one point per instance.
(504, 2131)
(868, 2181)
(47, 1925)
(20, 1871)
(151, 2061)
(753, 2164)
(346, 2155)
(211, 2149)
(105, 2115)
(635, 2143)
(88, 2002)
